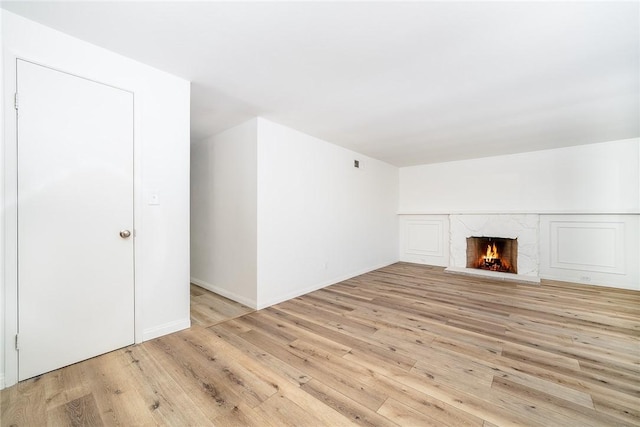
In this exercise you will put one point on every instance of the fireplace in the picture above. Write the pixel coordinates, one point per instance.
(523, 227)
(493, 254)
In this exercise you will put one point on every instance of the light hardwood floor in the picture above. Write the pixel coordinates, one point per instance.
(403, 345)
(208, 309)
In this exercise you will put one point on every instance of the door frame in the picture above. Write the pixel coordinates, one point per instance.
(10, 226)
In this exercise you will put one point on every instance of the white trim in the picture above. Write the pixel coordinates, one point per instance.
(412, 229)
(138, 226)
(409, 225)
(507, 277)
(590, 282)
(167, 328)
(315, 287)
(225, 293)
(616, 230)
(2, 209)
(10, 219)
(516, 212)
(619, 267)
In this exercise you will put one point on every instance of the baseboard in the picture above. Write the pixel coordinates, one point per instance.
(167, 328)
(224, 292)
(507, 277)
(276, 300)
(598, 282)
(333, 281)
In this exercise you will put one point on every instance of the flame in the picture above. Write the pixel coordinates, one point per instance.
(492, 252)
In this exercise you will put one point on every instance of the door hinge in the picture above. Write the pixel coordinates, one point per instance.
(17, 346)
(15, 100)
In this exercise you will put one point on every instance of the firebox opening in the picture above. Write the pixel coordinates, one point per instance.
(493, 253)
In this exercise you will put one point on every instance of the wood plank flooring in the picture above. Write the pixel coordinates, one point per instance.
(404, 345)
(208, 309)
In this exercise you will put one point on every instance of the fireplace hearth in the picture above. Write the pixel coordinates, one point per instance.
(493, 254)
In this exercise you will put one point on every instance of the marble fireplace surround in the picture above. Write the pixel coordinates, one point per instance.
(524, 227)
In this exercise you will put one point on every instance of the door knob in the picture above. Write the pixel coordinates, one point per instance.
(125, 233)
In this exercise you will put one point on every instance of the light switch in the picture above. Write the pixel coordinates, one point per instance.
(153, 197)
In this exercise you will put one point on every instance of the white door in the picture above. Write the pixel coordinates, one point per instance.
(75, 196)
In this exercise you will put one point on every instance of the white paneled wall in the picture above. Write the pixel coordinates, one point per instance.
(593, 249)
(587, 199)
(424, 239)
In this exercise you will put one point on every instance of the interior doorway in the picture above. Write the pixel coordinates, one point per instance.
(75, 219)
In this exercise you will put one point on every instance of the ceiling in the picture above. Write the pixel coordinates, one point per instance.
(406, 83)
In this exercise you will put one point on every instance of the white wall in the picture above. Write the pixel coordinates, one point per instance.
(161, 137)
(594, 178)
(224, 213)
(320, 220)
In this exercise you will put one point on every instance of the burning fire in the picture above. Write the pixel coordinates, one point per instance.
(492, 252)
